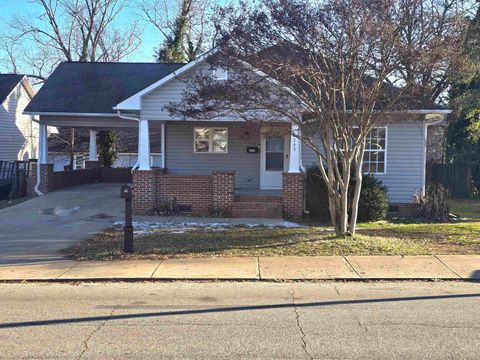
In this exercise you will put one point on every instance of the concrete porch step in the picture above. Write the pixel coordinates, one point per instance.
(258, 198)
(257, 209)
(257, 205)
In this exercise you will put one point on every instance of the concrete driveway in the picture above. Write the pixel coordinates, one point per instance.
(36, 230)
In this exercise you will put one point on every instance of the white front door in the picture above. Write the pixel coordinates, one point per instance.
(273, 159)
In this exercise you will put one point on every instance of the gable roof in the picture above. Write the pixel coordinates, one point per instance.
(8, 82)
(95, 88)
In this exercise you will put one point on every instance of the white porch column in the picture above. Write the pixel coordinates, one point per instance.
(43, 144)
(92, 150)
(163, 145)
(294, 159)
(143, 145)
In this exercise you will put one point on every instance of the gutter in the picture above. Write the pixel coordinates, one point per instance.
(127, 117)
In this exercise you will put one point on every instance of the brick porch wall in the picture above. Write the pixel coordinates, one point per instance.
(292, 195)
(46, 178)
(143, 191)
(223, 191)
(189, 190)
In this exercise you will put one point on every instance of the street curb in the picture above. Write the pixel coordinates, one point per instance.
(240, 280)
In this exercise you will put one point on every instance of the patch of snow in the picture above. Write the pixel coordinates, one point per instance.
(141, 228)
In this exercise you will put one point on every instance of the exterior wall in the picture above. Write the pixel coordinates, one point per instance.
(181, 159)
(153, 104)
(405, 172)
(18, 133)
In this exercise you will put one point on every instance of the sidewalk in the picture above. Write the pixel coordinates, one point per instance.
(446, 267)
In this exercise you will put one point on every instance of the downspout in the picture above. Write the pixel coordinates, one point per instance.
(302, 168)
(41, 141)
(126, 117)
(37, 184)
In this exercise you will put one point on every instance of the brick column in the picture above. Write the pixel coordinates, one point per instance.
(223, 191)
(292, 195)
(143, 191)
(46, 177)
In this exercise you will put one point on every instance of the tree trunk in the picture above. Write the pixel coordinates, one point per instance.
(358, 187)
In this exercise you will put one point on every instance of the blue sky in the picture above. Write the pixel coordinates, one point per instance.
(150, 38)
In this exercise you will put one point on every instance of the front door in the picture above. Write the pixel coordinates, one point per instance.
(272, 161)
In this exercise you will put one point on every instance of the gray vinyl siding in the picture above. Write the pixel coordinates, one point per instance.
(18, 134)
(405, 160)
(154, 103)
(180, 158)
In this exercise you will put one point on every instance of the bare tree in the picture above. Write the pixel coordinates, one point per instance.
(69, 30)
(183, 25)
(329, 67)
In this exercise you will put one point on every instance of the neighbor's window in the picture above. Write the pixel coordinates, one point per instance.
(374, 157)
(210, 140)
(220, 74)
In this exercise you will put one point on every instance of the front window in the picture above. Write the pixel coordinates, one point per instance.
(210, 140)
(374, 156)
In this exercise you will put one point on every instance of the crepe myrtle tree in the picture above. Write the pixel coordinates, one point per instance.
(333, 68)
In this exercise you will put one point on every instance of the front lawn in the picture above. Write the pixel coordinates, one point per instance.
(381, 238)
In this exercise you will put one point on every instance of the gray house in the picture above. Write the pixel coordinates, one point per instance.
(18, 131)
(226, 166)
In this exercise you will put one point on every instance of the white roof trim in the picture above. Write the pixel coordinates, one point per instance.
(134, 101)
(427, 111)
(71, 114)
(26, 84)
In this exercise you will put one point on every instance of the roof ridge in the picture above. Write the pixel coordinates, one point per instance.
(119, 63)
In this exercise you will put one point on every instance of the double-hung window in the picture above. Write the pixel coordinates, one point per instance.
(375, 154)
(210, 140)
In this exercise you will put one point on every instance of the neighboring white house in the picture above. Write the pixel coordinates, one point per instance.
(18, 131)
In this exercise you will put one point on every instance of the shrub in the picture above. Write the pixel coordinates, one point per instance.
(373, 204)
(434, 206)
(107, 144)
(316, 201)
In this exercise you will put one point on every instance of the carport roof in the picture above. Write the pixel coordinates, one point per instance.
(95, 88)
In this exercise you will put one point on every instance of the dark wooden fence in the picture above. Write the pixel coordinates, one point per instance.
(456, 177)
(15, 172)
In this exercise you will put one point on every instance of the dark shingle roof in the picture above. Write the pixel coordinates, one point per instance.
(87, 87)
(7, 84)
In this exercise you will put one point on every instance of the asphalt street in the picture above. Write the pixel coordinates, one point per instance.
(240, 320)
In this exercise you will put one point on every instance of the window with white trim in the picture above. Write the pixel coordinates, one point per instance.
(220, 74)
(210, 140)
(375, 154)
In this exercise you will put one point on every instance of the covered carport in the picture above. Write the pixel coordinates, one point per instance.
(84, 96)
